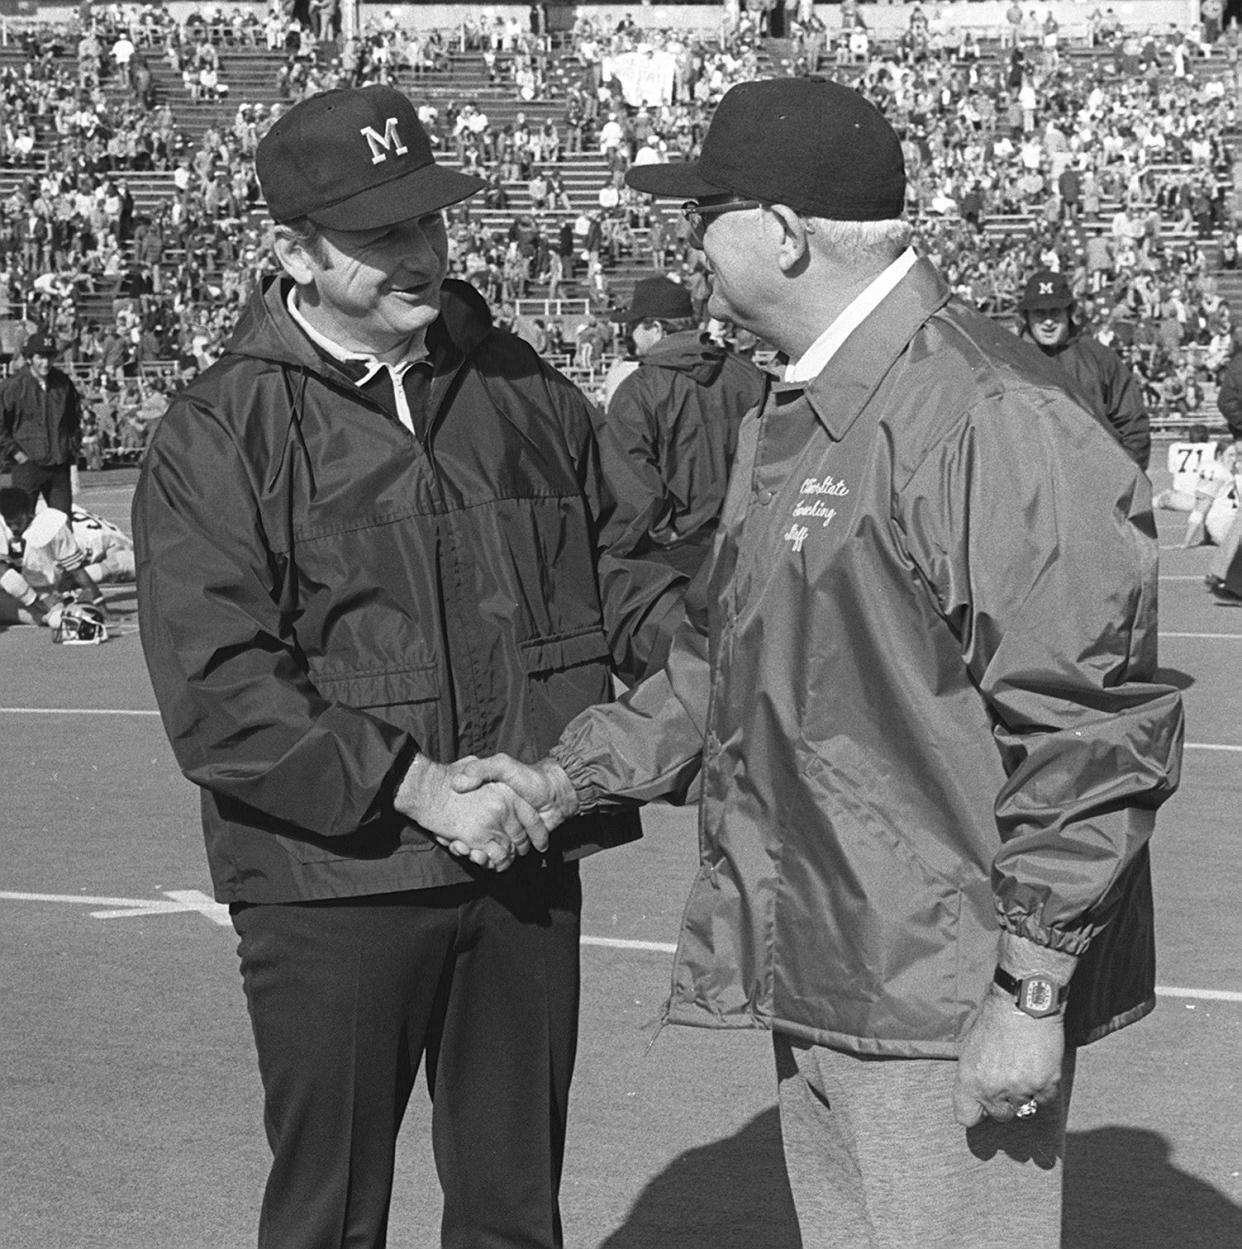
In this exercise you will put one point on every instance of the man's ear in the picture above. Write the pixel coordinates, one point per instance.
(794, 242)
(295, 256)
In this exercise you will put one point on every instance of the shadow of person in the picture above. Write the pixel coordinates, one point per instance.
(1123, 1192)
(731, 1194)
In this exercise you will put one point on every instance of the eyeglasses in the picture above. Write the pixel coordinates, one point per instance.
(694, 213)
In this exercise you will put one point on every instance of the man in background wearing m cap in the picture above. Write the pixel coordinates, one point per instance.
(672, 417)
(41, 425)
(344, 531)
(1096, 373)
(919, 695)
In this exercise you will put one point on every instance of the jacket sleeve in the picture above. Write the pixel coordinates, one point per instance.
(244, 720)
(73, 421)
(629, 444)
(649, 744)
(1229, 397)
(8, 444)
(1126, 411)
(1038, 541)
(642, 599)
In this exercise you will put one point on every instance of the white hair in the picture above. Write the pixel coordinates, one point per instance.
(854, 241)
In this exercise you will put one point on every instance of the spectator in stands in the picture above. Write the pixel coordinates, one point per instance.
(1093, 372)
(672, 409)
(41, 425)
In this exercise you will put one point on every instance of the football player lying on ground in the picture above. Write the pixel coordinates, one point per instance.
(69, 553)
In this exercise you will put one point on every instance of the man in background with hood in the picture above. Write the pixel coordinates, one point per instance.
(672, 415)
(1096, 374)
(371, 537)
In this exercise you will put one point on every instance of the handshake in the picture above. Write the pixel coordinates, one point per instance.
(487, 810)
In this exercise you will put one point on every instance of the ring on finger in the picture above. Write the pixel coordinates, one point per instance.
(1027, 1109)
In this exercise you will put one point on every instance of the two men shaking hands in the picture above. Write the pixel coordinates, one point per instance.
(487, 810)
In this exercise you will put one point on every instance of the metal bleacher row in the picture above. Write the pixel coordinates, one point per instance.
(252, 76)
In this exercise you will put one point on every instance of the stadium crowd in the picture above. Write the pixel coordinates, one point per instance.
(1114, 170)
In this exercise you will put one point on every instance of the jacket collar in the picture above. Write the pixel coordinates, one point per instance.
(266, 329)
(839, 394)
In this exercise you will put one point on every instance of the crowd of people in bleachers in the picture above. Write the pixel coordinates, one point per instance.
(1116, 171)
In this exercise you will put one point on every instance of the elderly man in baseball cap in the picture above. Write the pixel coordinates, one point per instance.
(919, 699)
(368, 542)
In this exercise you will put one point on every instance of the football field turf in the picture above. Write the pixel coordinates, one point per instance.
(130, 1103)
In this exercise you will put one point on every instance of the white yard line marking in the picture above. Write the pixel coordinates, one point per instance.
(1202, 995)
(180, 901)
(616, 943)
(76, 711)
(1207, 637)
(1210, 746)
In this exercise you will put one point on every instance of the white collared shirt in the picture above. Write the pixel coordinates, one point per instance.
(396, 372)
(814, 359)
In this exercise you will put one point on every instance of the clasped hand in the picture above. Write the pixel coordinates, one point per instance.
(487, 810)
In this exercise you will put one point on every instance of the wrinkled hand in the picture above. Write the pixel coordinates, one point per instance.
(490, 824)
(1007, 1059)
(544, 785)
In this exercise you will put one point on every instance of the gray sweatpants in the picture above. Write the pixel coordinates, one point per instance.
(876, 1160)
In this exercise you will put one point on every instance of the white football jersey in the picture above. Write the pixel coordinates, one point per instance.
(1188, 461)
(56, 544)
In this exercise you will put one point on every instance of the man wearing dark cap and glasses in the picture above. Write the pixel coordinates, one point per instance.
(918, 695)
(672, 413)
(369, 539)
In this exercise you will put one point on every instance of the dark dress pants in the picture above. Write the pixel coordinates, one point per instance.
(50, 480)
(347, 996)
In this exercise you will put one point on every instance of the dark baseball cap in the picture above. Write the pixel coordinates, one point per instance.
(39, 344)
(813, 144)
(657, 299)
(355, 159)
(1046, 289)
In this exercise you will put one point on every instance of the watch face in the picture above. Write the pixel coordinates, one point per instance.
(1039, 997)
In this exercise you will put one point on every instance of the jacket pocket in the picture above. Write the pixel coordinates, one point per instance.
(565, 674)
(407, 698)
(377, 687)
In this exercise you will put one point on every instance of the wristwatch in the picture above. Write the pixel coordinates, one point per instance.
(1037, 996)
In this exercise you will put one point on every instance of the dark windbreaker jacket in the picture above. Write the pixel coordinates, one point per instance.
(44, 423)
(920, 688)
(1100, 380)
(321, 593)
(673, 423)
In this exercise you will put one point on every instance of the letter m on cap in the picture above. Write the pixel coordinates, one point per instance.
(1045, 288)
(382, 144)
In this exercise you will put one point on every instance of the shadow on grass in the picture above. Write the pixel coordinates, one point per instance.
(1122, 1191)
(1174, 677)
(731, 1194)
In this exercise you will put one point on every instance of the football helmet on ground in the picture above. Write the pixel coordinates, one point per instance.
(80, 624)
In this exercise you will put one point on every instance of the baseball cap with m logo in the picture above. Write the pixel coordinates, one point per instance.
(355, 159)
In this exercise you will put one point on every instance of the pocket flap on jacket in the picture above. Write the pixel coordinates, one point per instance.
(555, 654)
(379, 689)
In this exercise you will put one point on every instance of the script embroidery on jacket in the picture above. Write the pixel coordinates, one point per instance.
(814, 508)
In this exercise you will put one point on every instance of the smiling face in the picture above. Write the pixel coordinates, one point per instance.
(371, 291)
(1049, 326)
